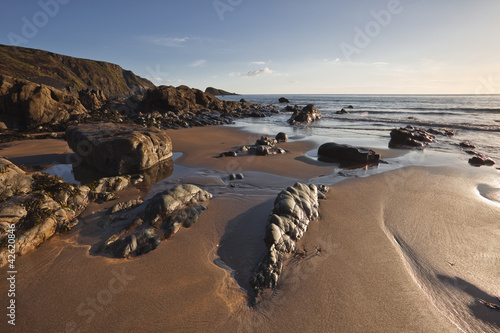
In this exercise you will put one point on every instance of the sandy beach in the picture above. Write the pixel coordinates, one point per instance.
(409, 250)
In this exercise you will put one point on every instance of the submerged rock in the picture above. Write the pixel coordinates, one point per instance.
(294, 208)
(410, 137)
(307, 115)
(115, 149)
(333, 152)
(342, 111)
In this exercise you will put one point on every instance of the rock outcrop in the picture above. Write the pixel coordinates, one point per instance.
(161, 217)
(410, 137)
(35, 207)
(307, 115)
(115, 149)
(24, 104)
(294, 209)
(481, 159)
(334, 152)
(92, 99)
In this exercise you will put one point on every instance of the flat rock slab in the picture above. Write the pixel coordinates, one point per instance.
(116, 149)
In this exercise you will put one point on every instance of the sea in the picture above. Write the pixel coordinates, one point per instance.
(474, 118)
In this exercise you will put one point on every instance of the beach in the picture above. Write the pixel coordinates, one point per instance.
(412, 249)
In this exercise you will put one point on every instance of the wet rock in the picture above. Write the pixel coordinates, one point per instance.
(228, 154)
(281, 137)
(307, 115)
(283, 100)
(409, 137)
(294, 208)
(441, 131)
(115, 149)
(350, 107)
(467, 145)
(342, 111)
(124, 206)
(38, 204)
(480, 159)
(290, 108)
(235, 176)
(162, 217)
(334, 152)
(266, 141)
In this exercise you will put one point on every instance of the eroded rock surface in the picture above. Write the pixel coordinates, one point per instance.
(294, 209)
(410, 137)
(160, 218)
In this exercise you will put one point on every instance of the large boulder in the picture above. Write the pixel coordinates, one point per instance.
(283, 100)
(92, 99)
(24, 104)
(115, 149)
(333, 152)
(307, 115)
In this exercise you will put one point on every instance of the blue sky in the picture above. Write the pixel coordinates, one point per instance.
(276, 46)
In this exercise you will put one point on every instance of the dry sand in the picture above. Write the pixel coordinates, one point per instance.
(405, 251)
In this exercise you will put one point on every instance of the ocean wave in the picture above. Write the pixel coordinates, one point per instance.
(416, 122)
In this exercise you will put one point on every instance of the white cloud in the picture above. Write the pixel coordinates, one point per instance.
(257, 72)
(381, 63)
(198, 63)
(258, 63)
(166, 41)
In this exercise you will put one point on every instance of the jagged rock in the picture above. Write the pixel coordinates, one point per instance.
(308, 114)
(283, 100)
(39, 205)
(92, 99)
(334, 152)
(115, 149)
(24, 104)
(480, 159)
(281, 137)
(410, 137)
(294, 208)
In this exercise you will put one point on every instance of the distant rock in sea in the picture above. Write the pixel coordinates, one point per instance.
(218, 92)
(306, 116)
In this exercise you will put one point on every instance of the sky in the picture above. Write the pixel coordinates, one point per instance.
(276, 46)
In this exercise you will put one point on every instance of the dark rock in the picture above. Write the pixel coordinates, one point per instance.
(235, 176)
(243, 100)
(338, 152)
(119, 149)
(350, 107)
(480, 159)
(410, 137)
(283, 100)
(256, 114)
(442, 131)
(281, 137)
(215, 92)
(467, 144)
(343, 111)
(228, 154)
(290, 108)
(307, 115)
(266, 141)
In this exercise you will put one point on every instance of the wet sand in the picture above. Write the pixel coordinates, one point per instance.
(409, 250)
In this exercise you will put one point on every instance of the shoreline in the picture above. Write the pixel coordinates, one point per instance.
(361, 279)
